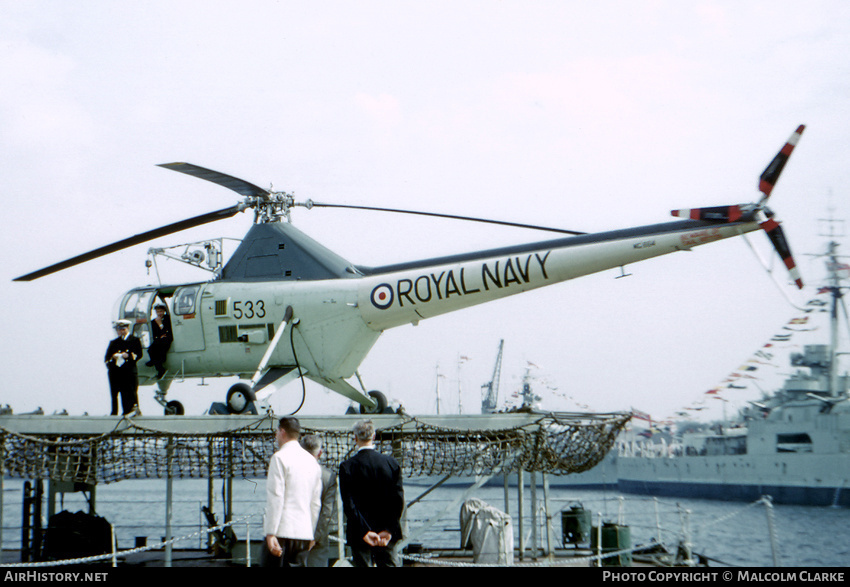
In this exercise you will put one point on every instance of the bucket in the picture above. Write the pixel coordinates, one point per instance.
(614, 538)
(575, 525)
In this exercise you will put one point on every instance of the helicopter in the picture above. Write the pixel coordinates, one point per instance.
(284, 307)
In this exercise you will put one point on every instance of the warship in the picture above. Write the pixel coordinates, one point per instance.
(794, 445)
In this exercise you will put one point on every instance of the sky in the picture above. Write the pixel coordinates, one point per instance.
(586, 116)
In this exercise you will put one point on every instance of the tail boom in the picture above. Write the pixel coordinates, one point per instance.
(408, 293)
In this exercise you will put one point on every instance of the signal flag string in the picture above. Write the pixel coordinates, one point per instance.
(764, 356)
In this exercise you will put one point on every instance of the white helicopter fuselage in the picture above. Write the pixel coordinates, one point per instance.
(225, 328)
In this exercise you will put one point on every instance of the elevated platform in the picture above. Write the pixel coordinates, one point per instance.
(102, 449)
(77, 453)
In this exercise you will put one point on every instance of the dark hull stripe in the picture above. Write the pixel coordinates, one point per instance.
(817, 496)
(572, 241)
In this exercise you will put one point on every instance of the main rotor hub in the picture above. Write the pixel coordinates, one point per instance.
(273, 206)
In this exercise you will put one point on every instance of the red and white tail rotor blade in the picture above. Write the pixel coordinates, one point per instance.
(770, 175)
(777, 237)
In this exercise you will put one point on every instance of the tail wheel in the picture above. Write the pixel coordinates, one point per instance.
(174, 408)
(239, 398)
(380, 399)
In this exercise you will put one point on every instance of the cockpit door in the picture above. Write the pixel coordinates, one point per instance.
(186, 319)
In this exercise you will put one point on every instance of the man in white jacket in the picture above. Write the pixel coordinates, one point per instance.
(293, 498)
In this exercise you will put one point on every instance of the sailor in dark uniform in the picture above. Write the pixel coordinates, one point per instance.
(121, 356)
(162, 339)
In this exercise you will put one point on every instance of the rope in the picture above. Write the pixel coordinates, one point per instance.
(124, 553)
(577, 561)
(732, 514)
(425, 559)
(564, 562)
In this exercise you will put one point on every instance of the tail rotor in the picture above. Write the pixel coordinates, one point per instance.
(758, 212)
(767, 181)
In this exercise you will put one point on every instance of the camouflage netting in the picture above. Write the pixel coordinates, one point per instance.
(552, 443)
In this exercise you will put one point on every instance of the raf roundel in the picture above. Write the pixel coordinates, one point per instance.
(382, 296)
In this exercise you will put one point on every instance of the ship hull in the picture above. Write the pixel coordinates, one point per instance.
(788, 479)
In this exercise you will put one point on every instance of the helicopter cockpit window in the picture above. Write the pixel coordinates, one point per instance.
(184, 300)
(136, 309)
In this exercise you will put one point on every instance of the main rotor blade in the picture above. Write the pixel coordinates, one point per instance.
(451, 216)
(240, 186)
(134, 240)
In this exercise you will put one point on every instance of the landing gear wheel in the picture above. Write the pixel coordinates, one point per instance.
(239, 398)
(174, 408)
(380, 398)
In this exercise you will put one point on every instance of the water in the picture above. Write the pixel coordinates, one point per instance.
(734, 533)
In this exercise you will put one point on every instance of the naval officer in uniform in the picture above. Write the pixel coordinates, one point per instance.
(121, 356)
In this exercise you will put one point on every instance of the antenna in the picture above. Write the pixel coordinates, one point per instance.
(831, 227)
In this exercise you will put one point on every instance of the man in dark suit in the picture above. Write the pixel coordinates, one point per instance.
(373, 500)
(121, 356)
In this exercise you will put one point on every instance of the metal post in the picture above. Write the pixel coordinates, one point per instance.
(93, 477)
(507, 493)
(51, 498)
(248, 544)
(169, 483)
(228, 506)
(520, 483)
(25, 524)
(550, 531)
(2, 490)
(114, 542)
(31, 530)
(535, 539)
(210, 488)
(599, 539)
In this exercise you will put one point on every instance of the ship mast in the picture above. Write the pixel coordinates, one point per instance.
(833, 269)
